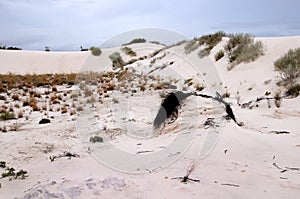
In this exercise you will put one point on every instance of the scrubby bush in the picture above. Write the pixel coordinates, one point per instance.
(211, 40)
(134, 41)
(95, 51)
(293, 91)
(242, 48)
(95, 139)
(117, 60)
(128, 51)
(289, 65)
(219, 55)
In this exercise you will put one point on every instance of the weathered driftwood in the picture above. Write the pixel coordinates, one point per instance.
(170, 105)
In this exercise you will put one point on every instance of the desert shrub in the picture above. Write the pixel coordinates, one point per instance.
(242, 48)
(95, 139)
(219, 55)
(136, 40)
(128, 51)
(212, 39)
(7, 115)
(289, 65)
(293, 91)
(117, 60)
(96, 51)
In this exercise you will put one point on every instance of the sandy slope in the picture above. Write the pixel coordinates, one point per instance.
(246, 162)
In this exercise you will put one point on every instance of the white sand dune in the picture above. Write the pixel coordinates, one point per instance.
(247, 162)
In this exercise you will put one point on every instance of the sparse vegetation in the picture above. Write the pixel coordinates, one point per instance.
(128, 51)
(191, 45)
(219, 55)
(134, 41)
(5, 115)
(289, 66)
(11, 174)
(242, 48)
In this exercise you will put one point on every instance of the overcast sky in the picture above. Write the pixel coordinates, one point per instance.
(68, 24)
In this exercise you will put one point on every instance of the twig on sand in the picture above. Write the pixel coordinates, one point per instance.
(147, 151)
(65, 154)
(232, 185)
(286, 168)
(190, 169)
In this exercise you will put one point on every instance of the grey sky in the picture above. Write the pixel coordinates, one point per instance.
(68, 24)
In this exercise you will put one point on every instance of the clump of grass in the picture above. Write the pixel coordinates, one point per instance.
(15, 97)
(128, 51)
(289, 65)
(20, 114)
(242, 48)
(79, 108)
(117, 60)
(191, 45)
(204, 52)
(33, 104)
(11, 174)
(219, 55)
(95, 139)
(5, 115)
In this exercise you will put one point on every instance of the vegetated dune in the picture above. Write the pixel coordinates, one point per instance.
(257, 160)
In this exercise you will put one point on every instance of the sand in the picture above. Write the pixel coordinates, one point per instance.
(230, 161)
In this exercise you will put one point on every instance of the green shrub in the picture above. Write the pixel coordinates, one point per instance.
(7, 116)
(293, 91)
(95, 139)
(128, 51)
(117, 60)
(289, 65)
(96, 51)
(242, 48)
(219, 55)
(134, 41)
(212, 39)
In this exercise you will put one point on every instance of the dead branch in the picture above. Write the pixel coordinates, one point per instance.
(232, 185)
(65, 154)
